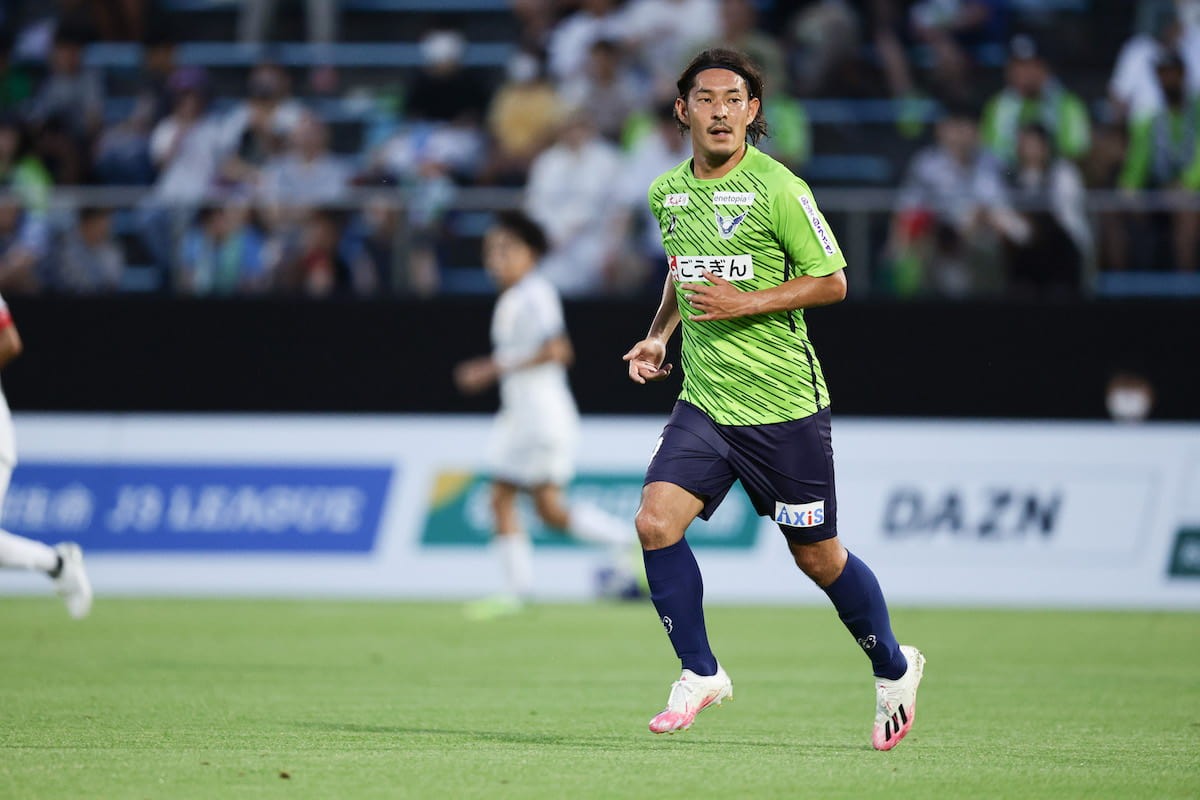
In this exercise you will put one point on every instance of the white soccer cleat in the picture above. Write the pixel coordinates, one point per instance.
(690, 695)
(72, 582)
(896, 702)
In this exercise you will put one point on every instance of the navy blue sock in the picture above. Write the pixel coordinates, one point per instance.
(859, 602)
(678, 593)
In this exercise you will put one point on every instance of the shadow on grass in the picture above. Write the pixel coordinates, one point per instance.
(617, 741)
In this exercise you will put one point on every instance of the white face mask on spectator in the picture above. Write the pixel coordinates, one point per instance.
(1128, 404)
(442, 47)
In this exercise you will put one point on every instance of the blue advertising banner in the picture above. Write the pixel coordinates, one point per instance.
(121, 507)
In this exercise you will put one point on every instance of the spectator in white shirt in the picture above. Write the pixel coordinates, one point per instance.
(950, 207)
(571, 193)
(567, 48)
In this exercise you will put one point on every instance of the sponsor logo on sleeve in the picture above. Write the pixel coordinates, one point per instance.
(800, 515)
(675, 200)
(733, 198)
(690, 269)
(818, 225)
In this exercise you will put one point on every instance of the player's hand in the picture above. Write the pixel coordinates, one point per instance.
(719, 299)
(475, 375)
(646, 361)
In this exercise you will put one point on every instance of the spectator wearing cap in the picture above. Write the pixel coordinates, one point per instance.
(442, 91)
(1033, 95)
(1164, 154)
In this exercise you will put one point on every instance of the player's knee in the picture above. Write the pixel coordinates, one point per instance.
(821, 561)
(655, 530)
(552, 512)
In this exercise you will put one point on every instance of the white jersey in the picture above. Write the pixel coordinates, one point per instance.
(528, 315)
(8, 447)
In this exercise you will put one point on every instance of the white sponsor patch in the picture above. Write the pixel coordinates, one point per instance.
(818, 225)
(800, 515)
(674, 200)
(690, 269)
(733, 198)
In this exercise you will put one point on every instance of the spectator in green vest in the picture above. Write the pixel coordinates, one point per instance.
(1164, 154)
(1033, 95)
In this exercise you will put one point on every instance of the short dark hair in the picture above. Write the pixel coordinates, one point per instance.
(734, 61)
(525, 228)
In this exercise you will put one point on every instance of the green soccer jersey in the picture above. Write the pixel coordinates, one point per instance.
(757, 227)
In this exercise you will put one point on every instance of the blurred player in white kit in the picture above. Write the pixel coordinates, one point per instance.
(63, 563)
(536, 431)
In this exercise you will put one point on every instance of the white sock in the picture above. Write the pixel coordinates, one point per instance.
(21, 553)
(589, 523)
(516, 557)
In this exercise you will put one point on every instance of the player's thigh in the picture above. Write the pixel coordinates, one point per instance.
(665, 512)
(787, 470)
(692, 454)
(530, 456)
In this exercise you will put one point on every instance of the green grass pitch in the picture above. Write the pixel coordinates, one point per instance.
(229, 699)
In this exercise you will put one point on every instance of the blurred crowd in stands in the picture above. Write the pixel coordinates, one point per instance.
(1020, 147)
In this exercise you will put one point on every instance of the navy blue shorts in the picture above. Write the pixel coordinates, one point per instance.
(786, 468)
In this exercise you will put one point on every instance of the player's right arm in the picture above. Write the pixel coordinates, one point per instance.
(647, 356)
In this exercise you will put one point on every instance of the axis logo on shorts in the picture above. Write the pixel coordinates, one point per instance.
(800, 515)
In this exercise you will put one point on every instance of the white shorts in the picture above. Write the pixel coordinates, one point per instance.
(529, 454)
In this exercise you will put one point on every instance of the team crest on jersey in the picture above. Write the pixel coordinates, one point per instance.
(727, 226)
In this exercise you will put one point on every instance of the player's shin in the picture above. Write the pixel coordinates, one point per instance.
(859, 602)
(677, 591)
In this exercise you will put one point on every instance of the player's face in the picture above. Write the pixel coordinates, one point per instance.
(506, 257)
(717, 110)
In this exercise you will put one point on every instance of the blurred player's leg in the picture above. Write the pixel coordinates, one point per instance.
(63, 563)
(71, 580)
(515, 553)
(589, 523)
(17, 552)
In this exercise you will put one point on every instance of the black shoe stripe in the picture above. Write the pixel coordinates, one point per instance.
(887, 730)
(903, 715)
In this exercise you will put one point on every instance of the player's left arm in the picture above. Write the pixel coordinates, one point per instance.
(807, 241)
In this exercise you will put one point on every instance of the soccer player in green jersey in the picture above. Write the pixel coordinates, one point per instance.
(748, 250)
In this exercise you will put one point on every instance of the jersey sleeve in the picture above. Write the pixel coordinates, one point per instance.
(5, 315)
(805, 236)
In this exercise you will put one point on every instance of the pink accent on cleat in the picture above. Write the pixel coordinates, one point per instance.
(690, 695)
(896, 702)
